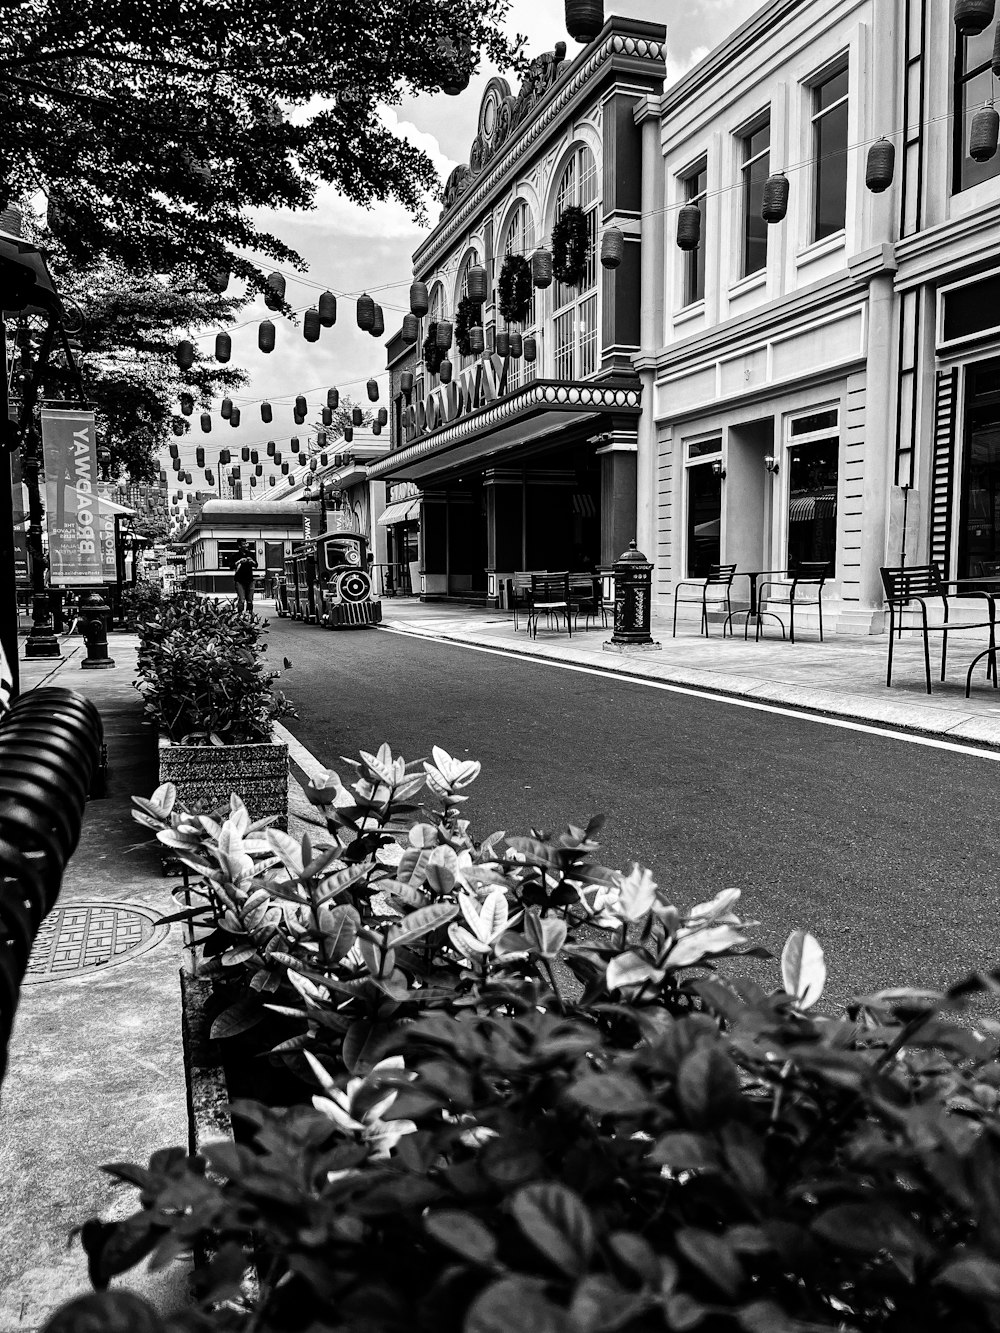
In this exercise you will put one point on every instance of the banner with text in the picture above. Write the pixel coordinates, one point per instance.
(69, 453)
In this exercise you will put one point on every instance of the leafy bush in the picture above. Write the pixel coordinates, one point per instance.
(539, 1102)
(201, 674)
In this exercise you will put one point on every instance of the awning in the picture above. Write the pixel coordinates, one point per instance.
(804, 508)
(399, 511)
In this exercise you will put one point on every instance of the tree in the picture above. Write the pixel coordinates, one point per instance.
(153, 128)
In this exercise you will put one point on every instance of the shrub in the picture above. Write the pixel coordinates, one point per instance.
(543, 1101)
(201, 674)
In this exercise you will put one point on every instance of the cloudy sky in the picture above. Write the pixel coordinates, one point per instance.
(350, 249)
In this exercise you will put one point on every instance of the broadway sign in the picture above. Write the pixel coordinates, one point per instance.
(69, 452)
(476, 387)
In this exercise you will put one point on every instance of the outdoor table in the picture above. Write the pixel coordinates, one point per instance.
(753, 575)
(984, 583)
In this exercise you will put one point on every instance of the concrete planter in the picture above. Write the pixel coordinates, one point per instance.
(209, 774)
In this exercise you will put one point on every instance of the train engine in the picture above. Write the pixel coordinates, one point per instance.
(343, 576)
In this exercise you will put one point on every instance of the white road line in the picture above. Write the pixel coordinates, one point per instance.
(844, 724)
(305, 759)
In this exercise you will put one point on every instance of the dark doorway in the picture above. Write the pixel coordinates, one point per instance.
(979, 529)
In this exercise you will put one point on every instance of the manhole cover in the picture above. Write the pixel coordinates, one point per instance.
(87, 937)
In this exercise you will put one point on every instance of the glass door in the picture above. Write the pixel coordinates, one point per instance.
(979, 525)
(704, 507)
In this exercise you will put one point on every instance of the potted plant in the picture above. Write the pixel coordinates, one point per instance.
(207, 690)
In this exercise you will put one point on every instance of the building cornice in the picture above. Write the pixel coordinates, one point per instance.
(938, 251)
(623, 45)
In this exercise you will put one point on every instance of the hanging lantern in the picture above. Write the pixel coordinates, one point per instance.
(301, 406)
(259, 469)
(475, 284)
(365, 313)
(199, 457)
(294, 444)
(376, 428)
(444, 371)
(382, 416)
(321, 439)
(357, 416)
(983, 134)
(277, 457)
(541, 268)
(406, 384)
(418, 299)
(254, 456)
(174, 452)
(477, 340)
(272, 481)
(972, 16)
(266, 414)
(313, 465)
(224, 457)
(185, 354)
(327, 416)
(284, 469)
(188, 481)
(411, 328)
(612, 247)
(175, 463)
(689, 227)
(348, 434)
(378, 325)
(333, 399)
(226, 410)
(774, 204)
(234, 420)
(206, 422)
(372, 387)
(327, 305)
(503, 343)
(265, 336)
(880, 165)
(274, 292)
(245, 453)
(302, 460)
(311, 325)
(210, 476)
(324, 459)
(223, 347)
(516, 346)
(530, 349)
(995, 62)
(187, 404)
(584, 19)
(299, 418)
(444, 334)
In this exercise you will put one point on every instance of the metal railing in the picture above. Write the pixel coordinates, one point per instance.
(51, 750)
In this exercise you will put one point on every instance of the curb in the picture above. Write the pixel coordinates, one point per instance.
(615, 668)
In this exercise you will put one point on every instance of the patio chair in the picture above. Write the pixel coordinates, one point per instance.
(549, 594)
(922, 584)
(586, 599)
(807, 578)
(519, 593)
(716, 588)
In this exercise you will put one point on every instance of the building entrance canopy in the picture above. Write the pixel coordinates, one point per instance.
(399, 512)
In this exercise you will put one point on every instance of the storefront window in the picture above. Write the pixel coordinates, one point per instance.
(979, 532)
(574, 326)
(695, 190)
(520, 240)
(830, 154)
(973, 86)
(813, 464)
(704, 507)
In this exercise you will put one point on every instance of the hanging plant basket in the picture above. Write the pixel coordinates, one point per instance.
(514, 289)
(433, 354)
(468, 316)
(569, 246)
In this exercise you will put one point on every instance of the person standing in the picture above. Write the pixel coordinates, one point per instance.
(243, 572)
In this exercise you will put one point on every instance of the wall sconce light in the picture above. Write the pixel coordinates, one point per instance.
(771, 463)
(718, 470)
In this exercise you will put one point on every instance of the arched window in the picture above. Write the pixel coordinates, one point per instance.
(574, 319)
(463, 290)
(520, 240)
(436, 310)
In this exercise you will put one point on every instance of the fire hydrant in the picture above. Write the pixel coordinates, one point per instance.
(94, 613)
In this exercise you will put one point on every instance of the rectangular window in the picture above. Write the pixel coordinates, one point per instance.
(813, 469)
(695, 189)
(973, 87)
(704, 508)
(588, 335)
(756, 166)
(562, 329)
(830, 154)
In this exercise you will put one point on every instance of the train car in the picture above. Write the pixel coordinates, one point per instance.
(292, 587)
(342, 572)
(281, 594)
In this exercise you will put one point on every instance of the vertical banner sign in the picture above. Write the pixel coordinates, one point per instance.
(106, 520)
(69, 452)
(20, 516)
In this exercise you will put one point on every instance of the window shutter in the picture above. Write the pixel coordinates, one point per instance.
(943, 476)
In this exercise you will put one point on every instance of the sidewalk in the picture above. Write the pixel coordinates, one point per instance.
(843, 677)
(96, 1070)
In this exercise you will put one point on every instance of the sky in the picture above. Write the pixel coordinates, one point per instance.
(352, 249)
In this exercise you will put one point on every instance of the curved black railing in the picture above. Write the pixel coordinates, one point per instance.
(51, 743)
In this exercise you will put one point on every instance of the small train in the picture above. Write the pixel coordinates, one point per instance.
(326, 582)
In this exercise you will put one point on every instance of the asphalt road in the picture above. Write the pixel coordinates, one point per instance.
(886, 850)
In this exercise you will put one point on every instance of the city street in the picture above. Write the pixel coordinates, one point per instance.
(865, 840)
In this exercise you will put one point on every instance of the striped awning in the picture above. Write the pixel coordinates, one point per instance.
(399, 511)
(583, 505)
(805, 507)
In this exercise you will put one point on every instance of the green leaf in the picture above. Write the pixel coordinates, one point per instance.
(514, 1303)
(681, 1151)
(421, 922)
(339, 927)
(708, 1085)
(714, 1258)
(867, 1228)
(803, 968)
(246, 1013)
(974, 1275)
(464, 1234)
(557, 1223)
(611, 1094)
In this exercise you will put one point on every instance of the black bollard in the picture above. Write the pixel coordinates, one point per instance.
(94, 612)
(633, 602)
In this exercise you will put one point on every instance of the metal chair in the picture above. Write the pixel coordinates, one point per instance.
(921, 583)
(809, 574)
(586, 598)
(549, 593)
(716, 588)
